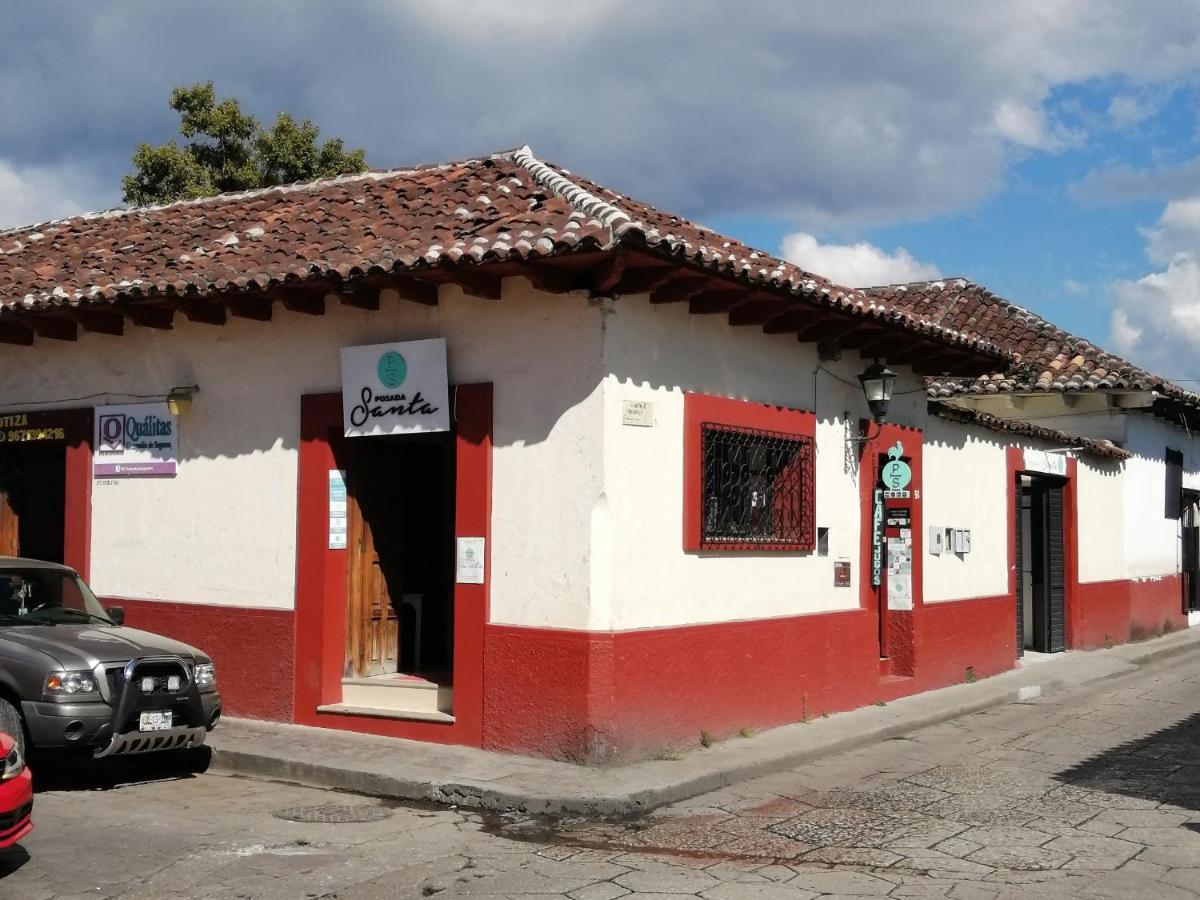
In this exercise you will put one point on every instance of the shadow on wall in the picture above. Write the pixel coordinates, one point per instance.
(1163, 767)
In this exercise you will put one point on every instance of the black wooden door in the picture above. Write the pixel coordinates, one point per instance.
(1056, 569)
(1020, 563)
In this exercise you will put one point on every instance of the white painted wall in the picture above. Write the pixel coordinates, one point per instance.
(224, 530)
(657, 353)
(1102, 505)
(965, 478)
(1152, 545)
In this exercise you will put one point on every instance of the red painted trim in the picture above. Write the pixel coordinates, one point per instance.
(321, 574)
(252, 648)
(1073, 607)
(699, 409)
(77, 474)
(895, 628)
(631, 693)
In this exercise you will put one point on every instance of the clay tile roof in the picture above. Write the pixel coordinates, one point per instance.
(1105, 449)
(508, 206)
(1045, 358)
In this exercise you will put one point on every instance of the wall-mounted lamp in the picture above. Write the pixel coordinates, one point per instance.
(179, 400)
(877, 382)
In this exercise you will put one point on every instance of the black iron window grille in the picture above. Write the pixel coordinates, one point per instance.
(757, 489)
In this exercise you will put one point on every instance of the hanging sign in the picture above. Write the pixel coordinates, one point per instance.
(395, 388)
(896, 474)
(135, 440)
(1046, 462)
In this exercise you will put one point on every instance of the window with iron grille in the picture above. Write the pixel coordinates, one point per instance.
(757, 489)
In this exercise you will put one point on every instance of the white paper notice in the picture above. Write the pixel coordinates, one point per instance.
(899, 573)
(469, 557)
(337, 509)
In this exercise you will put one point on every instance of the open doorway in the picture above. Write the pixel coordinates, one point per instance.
(1190, 554)
(399, 580)
(33, 501)
(1041, 565)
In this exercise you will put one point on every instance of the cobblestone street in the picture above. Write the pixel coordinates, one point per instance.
(1094, 793)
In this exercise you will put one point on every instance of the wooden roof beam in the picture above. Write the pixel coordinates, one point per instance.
(677, 290)
(202, 312)
(16, 333)
(863, 335)
(256, 306)
(160, 317)
(476, 284)
(756, 311)
(794, 318)
(58, 329)
(641, 280)
(718, 300)
(833, 328)
(100, 321)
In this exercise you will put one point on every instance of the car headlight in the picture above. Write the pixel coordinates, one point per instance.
(206, 676)
(63, 684)
(14, 764)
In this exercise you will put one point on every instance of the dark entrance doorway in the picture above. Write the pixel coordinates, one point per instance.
(33, 500)
(400, 539)
(1190, 551)
(1041, 565)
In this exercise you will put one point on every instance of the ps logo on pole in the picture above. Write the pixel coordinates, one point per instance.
(896, 474)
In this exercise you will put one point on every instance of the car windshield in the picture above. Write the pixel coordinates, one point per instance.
(35, 596)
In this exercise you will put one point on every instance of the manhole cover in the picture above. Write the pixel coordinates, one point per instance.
(333, 815)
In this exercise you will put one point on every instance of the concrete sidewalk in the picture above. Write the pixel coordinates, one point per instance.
(410, 770)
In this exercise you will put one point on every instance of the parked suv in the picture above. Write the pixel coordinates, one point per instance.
(72, 676)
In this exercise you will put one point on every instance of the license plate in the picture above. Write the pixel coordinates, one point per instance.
(154, 721)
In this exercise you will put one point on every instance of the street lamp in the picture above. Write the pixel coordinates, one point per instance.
(877, 383)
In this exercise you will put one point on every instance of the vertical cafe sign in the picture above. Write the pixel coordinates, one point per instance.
(133, 440)
(395, 388)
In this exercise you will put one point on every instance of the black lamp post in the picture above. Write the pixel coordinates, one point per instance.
(877, 383)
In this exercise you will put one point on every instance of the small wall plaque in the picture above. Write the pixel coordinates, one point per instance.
(841, 573)
(639, 413)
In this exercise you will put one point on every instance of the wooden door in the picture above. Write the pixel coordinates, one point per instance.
(1056, 581)
(10, 531)
(372, 627)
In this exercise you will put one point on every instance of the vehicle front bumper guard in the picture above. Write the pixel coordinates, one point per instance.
(130, 702)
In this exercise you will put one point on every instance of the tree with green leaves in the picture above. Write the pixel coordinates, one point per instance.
(229, 150)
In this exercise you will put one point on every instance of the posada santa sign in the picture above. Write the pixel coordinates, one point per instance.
(395, 388)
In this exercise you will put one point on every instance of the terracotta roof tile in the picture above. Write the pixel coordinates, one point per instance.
(507, 206)
(1046, 358)
(1105, 449)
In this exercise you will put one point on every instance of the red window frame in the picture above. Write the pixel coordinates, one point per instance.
(705, 409)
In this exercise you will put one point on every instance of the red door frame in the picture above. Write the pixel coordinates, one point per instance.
(321, 575)
(76, 425)
(1073, 614)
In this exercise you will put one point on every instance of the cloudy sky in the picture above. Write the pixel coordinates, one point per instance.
(1049, 149)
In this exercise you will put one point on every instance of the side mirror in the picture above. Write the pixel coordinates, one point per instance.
(116, 613)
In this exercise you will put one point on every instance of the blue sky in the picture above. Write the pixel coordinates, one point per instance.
(1045, 148)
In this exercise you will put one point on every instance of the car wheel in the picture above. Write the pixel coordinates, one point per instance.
(12, 724)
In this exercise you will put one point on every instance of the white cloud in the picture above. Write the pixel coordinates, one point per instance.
(795, 109)
(1177, 231)
(1156, 322)
(855, 265)
(37, 194)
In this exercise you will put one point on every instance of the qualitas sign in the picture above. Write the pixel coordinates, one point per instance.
(395, 388)
(135, 440)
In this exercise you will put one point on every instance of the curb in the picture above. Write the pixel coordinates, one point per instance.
(638, 788)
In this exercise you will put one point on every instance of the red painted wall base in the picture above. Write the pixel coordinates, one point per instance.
(1113, 612)
(595, 697)
(252, 649)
